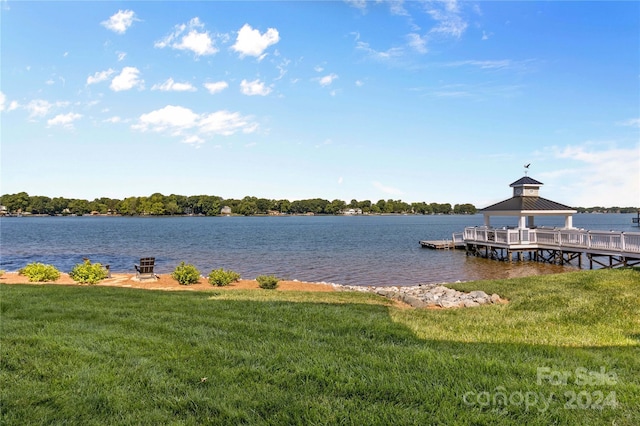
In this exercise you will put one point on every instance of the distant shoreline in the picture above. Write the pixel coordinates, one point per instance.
(22, 215)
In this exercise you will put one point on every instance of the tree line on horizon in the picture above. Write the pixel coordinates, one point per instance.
(210, 205)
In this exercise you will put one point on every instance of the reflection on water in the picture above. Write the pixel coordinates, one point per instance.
(476, 268)
(376, 250)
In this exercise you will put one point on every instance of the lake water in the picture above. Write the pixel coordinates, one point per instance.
(359, 250)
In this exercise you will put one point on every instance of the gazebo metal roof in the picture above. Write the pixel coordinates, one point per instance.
(529, 204)
(526, 180)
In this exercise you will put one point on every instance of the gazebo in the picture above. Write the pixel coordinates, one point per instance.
(561, 245)
(526, 204)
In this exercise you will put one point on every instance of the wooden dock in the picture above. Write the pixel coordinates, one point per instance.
(608, 249)
(440, 244)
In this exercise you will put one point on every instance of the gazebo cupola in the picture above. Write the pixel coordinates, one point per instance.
(526, 187)
(526, 204)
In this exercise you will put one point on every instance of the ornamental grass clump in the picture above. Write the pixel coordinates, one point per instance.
(39, 272)
(221, 278)
(268, 282)
(88, 273)
(186, 274)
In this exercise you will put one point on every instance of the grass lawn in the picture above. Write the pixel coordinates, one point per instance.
(565, 350)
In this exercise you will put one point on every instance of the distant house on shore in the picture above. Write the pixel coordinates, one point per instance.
(352, 212)
(225, 210)
(3, 210)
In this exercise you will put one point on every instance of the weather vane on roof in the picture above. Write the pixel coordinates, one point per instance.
(526, 168)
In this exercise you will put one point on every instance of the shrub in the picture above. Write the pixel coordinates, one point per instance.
(220, 277)
(39, 272)
(186, 274)
(268, 282)
(87, 272)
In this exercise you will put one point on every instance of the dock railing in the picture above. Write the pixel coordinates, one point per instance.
(613, 241)
(458, 238)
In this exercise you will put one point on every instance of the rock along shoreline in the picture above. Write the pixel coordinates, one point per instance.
(429, 295)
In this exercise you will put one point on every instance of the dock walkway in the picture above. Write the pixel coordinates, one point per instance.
(555, 245)
(440, 244)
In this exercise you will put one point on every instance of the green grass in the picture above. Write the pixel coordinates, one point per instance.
(103, 355)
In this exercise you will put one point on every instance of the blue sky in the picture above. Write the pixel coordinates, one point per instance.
(436, 101)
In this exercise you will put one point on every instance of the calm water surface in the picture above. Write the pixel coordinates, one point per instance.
(361, 250)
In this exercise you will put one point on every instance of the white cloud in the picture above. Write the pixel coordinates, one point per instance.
(171, 118)
(327, 79)
(181, 121)
(100, 76)
(251, 43)
(120, 22)
(487, 64)
(387, 189)
(126, 80)
(193, 140)
(451, 5)
(38, 108)
(418, 43)
(340, 180)
(172, 86)
(3, 99)
(226, 123)
(121, 56)
(633, 122)
(255, 87)
(216, 87)
(396, 7)
(600, 175)
(391, 53)
(115, 119)
(448, 21)
(187, 37)
(282, 68)
(64, 120)
(358, 4)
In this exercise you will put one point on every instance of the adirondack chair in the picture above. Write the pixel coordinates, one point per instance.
(145, 269)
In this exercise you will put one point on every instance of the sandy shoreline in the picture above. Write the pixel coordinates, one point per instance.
(165, 282)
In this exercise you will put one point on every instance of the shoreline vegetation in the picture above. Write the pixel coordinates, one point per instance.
(22, 204)
(211, 205)
(563, 350)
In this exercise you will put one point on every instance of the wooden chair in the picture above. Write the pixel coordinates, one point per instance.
(145, 269)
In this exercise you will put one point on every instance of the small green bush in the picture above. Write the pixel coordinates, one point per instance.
(88, 273)
(268, 282)
(220, 277)
(39, 272)
(186, 274)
